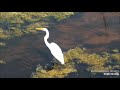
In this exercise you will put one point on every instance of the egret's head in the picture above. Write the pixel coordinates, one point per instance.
(40, 29)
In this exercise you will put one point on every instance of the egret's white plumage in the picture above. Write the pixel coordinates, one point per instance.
(54, 48)
(56, 52)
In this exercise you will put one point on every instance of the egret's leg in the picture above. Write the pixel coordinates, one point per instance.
(48, 67)
(55, 62)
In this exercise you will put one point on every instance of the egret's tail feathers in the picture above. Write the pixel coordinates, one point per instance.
(62, 62)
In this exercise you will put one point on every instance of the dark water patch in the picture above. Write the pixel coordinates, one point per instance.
(22, 65)
(23, 56)
(114, 44)
(13, 69)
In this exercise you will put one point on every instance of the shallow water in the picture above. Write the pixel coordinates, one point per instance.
(23, 54)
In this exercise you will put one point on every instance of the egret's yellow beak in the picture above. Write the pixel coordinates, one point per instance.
(39, 28)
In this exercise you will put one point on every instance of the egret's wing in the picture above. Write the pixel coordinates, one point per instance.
(57, 52)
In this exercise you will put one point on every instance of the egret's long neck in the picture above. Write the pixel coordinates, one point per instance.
(46, 37)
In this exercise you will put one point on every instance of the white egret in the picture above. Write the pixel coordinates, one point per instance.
(54, 48)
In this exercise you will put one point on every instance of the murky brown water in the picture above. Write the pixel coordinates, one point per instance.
(86, 30)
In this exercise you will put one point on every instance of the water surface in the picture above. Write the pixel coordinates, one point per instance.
(23, 54)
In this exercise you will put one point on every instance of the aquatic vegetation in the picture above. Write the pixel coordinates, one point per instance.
(84, 57)
(95, 61)
(2, 44)
(17, 32)
(9, 18)
(3, 34)
(115, 50)
(14, 24)
(60, 15)
(57, 72)
(116, 57)
(2, 62)
(31, 27)
(99, 62)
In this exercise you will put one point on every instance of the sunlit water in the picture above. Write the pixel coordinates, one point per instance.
(23, 54)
